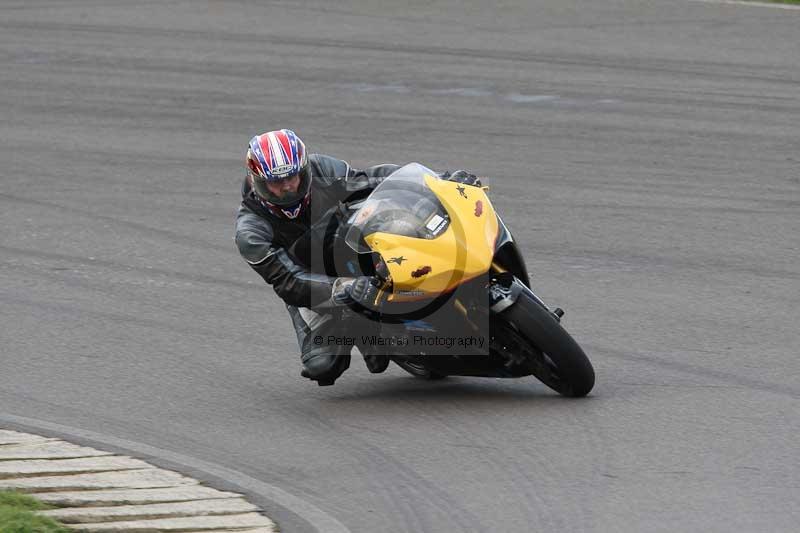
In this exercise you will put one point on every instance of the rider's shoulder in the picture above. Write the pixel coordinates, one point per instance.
(248, 218)
(326, 169)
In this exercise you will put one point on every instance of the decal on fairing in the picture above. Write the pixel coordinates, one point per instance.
(410, 293)
(497, 293)
(421, 271)
(478, 208)
(398, 260)
(436, 224)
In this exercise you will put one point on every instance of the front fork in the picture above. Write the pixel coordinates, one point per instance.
(504, 290)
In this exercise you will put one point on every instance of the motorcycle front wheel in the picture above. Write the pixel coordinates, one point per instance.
(528, 329)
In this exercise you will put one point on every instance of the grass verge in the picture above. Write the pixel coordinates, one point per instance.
(16, 515)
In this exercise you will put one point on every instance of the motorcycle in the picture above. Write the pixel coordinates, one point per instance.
(454, 296)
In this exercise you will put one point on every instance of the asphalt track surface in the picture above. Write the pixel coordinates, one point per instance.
(645, 154)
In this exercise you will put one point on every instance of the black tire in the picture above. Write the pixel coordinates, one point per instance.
(417, 370)
(553, 355)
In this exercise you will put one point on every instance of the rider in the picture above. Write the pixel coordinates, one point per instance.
(282, 182)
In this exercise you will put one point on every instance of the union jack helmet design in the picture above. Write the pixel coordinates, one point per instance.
(276, 157)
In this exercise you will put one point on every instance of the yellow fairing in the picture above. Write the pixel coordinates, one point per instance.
(462, 252)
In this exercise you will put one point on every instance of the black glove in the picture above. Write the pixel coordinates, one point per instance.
(467, 178)
(361, 290)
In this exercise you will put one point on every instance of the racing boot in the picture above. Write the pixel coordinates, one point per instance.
(324, 368)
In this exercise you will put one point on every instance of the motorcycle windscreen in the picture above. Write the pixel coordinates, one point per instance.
(402, 205)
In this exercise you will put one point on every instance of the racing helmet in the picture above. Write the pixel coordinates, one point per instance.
(274, 159)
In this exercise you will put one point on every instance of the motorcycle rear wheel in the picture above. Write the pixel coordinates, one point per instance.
(552, 355)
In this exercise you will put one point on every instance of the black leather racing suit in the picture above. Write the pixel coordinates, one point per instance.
(265, 238)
